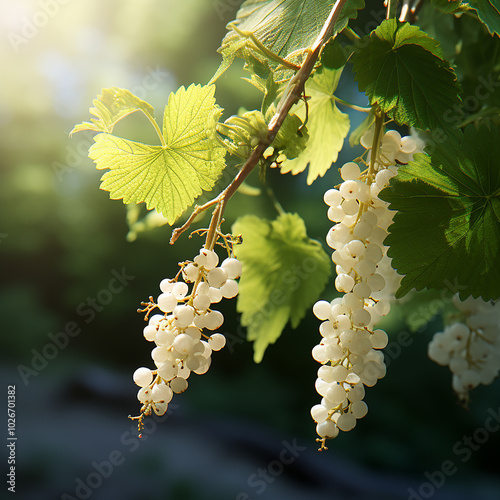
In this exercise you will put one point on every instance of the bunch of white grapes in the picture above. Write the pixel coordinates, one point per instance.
(471, 347)
(181, 346)
(349, 350)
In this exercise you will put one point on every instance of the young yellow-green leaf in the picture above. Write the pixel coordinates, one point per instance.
(327, 127)
(446, 232)
(170, 177)
(284, 27)
(401, 69)
(284, 273)
(489, 13)
(110, 107)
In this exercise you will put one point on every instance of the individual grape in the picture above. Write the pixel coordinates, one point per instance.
(216, 277)
(232, 267)
(164, 338)
(344, 283)
(168, 370)
(332, 198)
(183, 343)
(350, 207)
(201, 302)
(162, 392)
(230, 289)
(143, 377)
(217, 341)
(150, 333)
(144, 395)
(167, 302)
(346, 422)
(166, 285)
(180, 290)
(350, 171)
(214, 320)
(349, 189)
(322, 310)
(160, 354)
(359, 409)
(183, 316)
(327, 429)
(319, 413)
(190, 273)
(215, 295)
(179, 385)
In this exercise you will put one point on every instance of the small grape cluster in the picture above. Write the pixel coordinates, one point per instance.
(471, 346)
(181, 345)
(349, 350)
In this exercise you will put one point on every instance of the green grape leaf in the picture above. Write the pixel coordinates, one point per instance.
(284, 273)
(327, 127)
(488, 12)
(168, 177)
(111, 106)
(401, 68)
(283, 27)
(446, 233)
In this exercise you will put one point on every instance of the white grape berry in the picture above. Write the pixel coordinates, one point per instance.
(217, 341)
(232, 267)
(179, 384)
(177, 333)
(471, 346)
(162, 392)
(143, 377)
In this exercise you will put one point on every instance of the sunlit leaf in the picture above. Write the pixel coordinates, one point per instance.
(327, 127)
(284, 273)
(170, 177)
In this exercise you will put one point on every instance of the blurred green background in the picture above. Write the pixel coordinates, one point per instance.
(61, 240)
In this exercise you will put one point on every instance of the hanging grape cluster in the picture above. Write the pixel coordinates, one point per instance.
(182, 343)
(349, 351)
(470, 346)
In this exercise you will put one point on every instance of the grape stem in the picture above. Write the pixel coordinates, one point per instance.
(290, 97)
